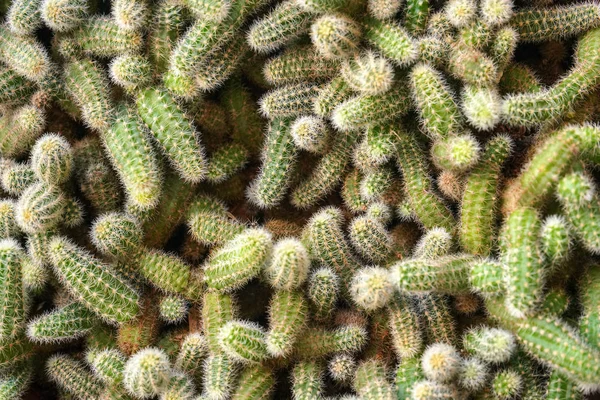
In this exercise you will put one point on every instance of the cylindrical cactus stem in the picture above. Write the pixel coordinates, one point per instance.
(14, 89)
(560, 387)
(384, 9)
(370, 238)
(341, 368)
(212, 228)
(440, 325)
(8, 221)
(40, 208)
(496, 12)
(147, 373)
(548, 164)
(180, 386)
(239, 260)
(441, 362)
(118, 235)
(255, 382)
(405, 328)
(279, 156)
(368, 110)
(174, 131)
(533, 109)
(351, 192)
(219, 376)
(225, 162)
(380, 143)
(64, 15)
(52, 159)
(541, 24)
(447, 274)
(288, 312)
(24, 17)
(503, 47)
(173, 309)
(576, 193)
(327, 174)
(289, 101)
(336, 36)
(479, 200)
(392, 40)
(87, 84)
(475, 35)
(460, 12)
(486, 278)
(490, 345)
(552, 342)
(68, 323)
(434, 244)
(107, 365)
(428, 207)
(323, 290)
(100, 187)
(457, 153)
(130, 14)
(407, 375)
(311, 133)
(191, 354)
(330, 96)
(25, 125)
(215, 71)
(518, 78)
(246, 124)
(473, 375)
(556, 240)
(244, 341)
(217, 310)
(371, 288)
(522, 258)
(417, 14)
(70, 375)
(91, 282)
(433, 51)
(12, 312)
(327, 244)
(102, 37)
(472, 66)
(299, 64)
(368, 74)
(440, 115)
(13, 385)
(132, 155)
(215, 10)
(284, 23)
(170, 273)
(24, 55)
(130, 71)
(506, 384)
(16, 178)
(166, 26)
(307, 380)
(376, 182)
(482, 107)
(289, 265)
(317, 343)
(370, 381)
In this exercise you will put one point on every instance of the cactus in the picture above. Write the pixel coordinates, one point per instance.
(521, 254)
(490, 345)
(175, 133)
(310, 133)
(287, 316)
(173, 309)
(307, 380)
(327, 173)
(64, 15)
(392, 40)
(342, 367)
(370, 381)
(317, 343)
(8, 222)
(323, 288)
(457, 153)
(16, 178)
(243, 341)
(24, 55)
(335, 36)
(131, 72)
(479, 205)
(441, 362)
(147, 373)
(103, 37)
(289, 266)
(95, 285)
(371, 288)
(130, 15)
(52, 159)
(481, 107)
(219, 376)
(40, 208)
(427, 390)
(73, 377)
(473, 375)
(283, 24)
(12, 315)
(68, 323)
(108, 365)
(417, 14)
(460, 12)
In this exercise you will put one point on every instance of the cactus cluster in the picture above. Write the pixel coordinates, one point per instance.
(299, 199)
